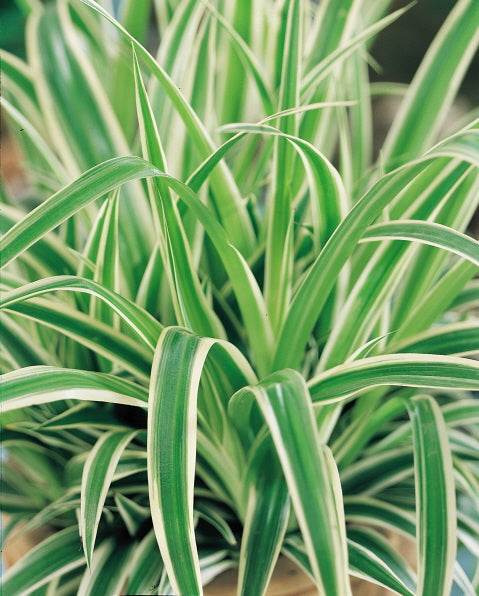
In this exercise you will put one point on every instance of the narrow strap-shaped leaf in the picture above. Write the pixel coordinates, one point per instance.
(84, 415)
(217, 466)
(138, 319)
(311, 296)
(132, 514)
(327, 29)
(45, 517)
(363, 563)
(457, 338)
(328, 36)
(228, 201)
(17, 85)
(107, 272)
(372, 475)
(171, 448)
(47, 155)
(375, 512)
(360, 114)
(279, 259)
(97, 476)
(246, 288)
(215, 517)
(17, 342)
(43, 384)
(434, 85)
(193, 309)
(325, 181)
(409, 370)
(279, 241)
(391, 262)
(460, 203)
(366, 424)
(102, 339)
(84, 129)
(333, 58)
(53, 557)
(89, 186)
(468, 297)
(50, 253)
(326, 186)
(201, 174)
(136, 20)
(109, 569)
(435, 497)
(462, 580)
(312, 479)
(248, 58)
(464, 145)
(457, 413)
(266, 520)
(446, 293)
(86, 267)
(426, 232)
(146, 567)
(371, 564)
(171, 445)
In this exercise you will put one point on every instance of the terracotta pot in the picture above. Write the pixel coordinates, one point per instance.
(17, 544)
(289, 580)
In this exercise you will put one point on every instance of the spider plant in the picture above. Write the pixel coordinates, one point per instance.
(230, 331)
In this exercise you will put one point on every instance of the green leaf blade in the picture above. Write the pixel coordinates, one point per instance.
(225, 193)
(97, 476)
(310, 474)
(138, 319)
(435, 494)
(409, 370)
(44, 384)
(89, 186)
(266, 521)
(171, 452)
(192, 307)
(426, 232)
(51, 558)
(435, 85)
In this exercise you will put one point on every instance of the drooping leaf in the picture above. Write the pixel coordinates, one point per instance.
(108, 571)
(312, 482)
(435, 497)
(416, 370)
(435, 85)
(266, 520)
(87, 331)
(171, 453)
(140, 320)
(146, 566)
(428, 233)
(89, 186)
(97, 476)
(53, 557)
(43, 384)
(191, 305)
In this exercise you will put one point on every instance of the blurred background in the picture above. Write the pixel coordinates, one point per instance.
(398, 50)
(397, 53)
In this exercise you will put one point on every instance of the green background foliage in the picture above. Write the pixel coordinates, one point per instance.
(233, 325)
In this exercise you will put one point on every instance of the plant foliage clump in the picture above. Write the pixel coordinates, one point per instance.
(229, 330)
